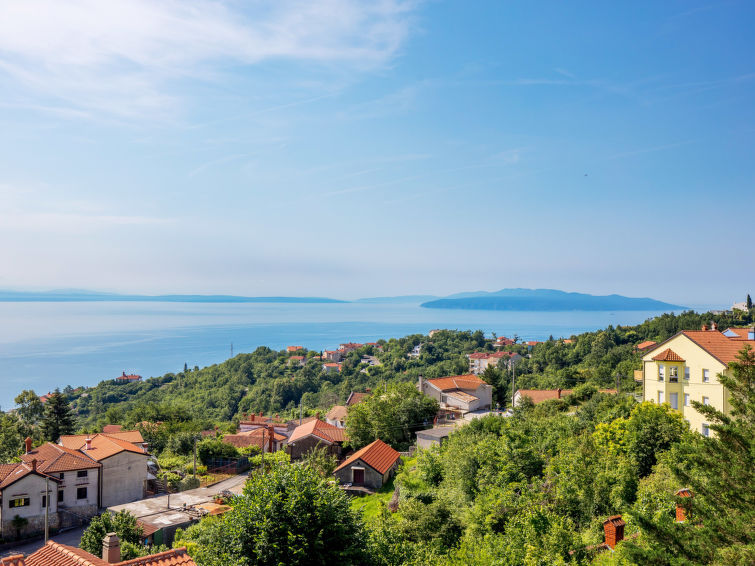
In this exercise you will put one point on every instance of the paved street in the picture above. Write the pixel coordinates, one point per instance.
(71, 538)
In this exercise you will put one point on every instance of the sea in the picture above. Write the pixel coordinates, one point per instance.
(46, 345)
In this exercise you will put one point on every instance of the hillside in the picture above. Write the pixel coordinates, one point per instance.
(547, 300)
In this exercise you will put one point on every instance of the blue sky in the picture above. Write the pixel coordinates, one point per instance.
(345, 148)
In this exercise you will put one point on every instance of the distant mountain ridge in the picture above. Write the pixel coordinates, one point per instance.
(399, 299)
(62, 296)
(546, 300)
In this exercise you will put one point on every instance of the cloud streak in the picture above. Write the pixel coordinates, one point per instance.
(122, 56)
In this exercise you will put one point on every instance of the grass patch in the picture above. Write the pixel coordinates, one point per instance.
(371, 505)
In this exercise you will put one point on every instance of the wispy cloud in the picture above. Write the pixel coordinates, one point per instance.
(121, 57)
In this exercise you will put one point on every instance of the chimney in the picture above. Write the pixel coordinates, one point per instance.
(713, 326)
(89, 444)
(421, 384)
(27, 442)
(558, 392)
(681, 508)
(704, 328)
(111, 548)
(34, 465)
(261, 414)
(614, 531)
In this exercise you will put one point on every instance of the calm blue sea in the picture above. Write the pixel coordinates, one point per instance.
(48, 345)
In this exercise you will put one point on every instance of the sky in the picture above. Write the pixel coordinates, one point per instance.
(349, 148)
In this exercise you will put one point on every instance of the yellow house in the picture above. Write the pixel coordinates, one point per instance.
(685, 368)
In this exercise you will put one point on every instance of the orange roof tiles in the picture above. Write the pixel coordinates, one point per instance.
(741, 333)
(15, 560)
(717, 345)
(52, 458)
(469, 381)
(252, 438)
(378, 456)
(355, 398)
(320, 429)
(54, 554)
(540, 395)
(110, 428)
(668, 355)
(646, 344)
(103, 445)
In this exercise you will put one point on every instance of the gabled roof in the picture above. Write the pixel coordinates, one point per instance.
(54, 554)
(337, 413)
(739, 333)
(252, 438)
(469, 381)
(378, 456)
(103, 445)
(646, 344)
(540, 395)
(668, 355)
(11, 473)
(52, 458)
(322, 430)
(355, 398)
(111, 428)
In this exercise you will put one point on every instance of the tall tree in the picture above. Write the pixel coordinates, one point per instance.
(58, 419)
(123, 524)
(720, 472)
(29, 407)
(749, 302)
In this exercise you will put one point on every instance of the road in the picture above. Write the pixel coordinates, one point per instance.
(71, 538)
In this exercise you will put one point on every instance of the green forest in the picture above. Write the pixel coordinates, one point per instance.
(533, 488)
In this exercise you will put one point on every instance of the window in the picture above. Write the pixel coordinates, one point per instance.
(686, 399)
(81, 474)
(60, 496)
(706, 375)
(661, 372)
(674, 400)
(81, 493)
(20, 502)
(44, 501)
(673, 374)
(686, 373)
(705, 429)
(62, 475)
(660, 397)
(706, 400)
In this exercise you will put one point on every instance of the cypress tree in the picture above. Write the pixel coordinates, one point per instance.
(58, 419)
(720, 472)
(749, 302)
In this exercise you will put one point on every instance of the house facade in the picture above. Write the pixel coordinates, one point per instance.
(314, 434)
(685, 368)
(22, 493)
(462, 393)
(369, 467)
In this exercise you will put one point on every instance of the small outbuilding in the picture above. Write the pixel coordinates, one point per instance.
(369, 467)
(436, 435)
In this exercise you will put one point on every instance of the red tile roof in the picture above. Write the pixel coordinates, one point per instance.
(320, 429)
(130, 377)
(668, 355)
(355, 398)
(469, 381)
(111, 428)
(540, 395)
(717, 345)
(14, 560)
(294, 348)
(378, 456)
(646, 344)
(337, 413)
(104, 445)
(52, 458)
(252, 438)
(740, 332)
(54, 554)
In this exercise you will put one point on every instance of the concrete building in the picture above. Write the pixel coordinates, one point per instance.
(266, 440)
(370, 466)
(460, 393)
(313, 434)
(22, 494)
(123, 457)
(251, 422)
(480, 361)
(685, 368)
(433, 436)
(337, 416)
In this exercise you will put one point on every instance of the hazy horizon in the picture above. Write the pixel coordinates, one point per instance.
(394, 147)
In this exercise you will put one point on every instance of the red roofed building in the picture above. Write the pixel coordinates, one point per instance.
(356, 397)
(502, 341)
(131, 378)
(290, 349)
(480, 361)
(349, 347)
(54, 554)
(370, 466)
(22, 490)
(685, 368)
(265, 438)
(647, 344)
(313, 434)
(332, 355)
(330, 367)
(459, 393)
(540, 395)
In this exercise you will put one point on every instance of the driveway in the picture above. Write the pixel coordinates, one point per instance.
(70, 537)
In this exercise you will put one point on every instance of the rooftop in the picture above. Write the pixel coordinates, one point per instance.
(320, 429)
(668, 355)
(469, 381)
(377, 455)
(54, 554)
(52, 458)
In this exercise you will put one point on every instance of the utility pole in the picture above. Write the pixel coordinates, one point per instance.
(513, 384)
(195, 457)
(47, 509)
(299, 412)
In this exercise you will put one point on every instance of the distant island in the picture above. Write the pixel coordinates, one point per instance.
(547, 300)
(92, 296)
(402, 299)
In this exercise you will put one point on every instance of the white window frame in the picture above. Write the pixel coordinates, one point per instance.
(706, 376)
(673, 399)
(660, 397)
(706, 400)
(661, 372)
(686, 399)
(686, 373)
(705, 429)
